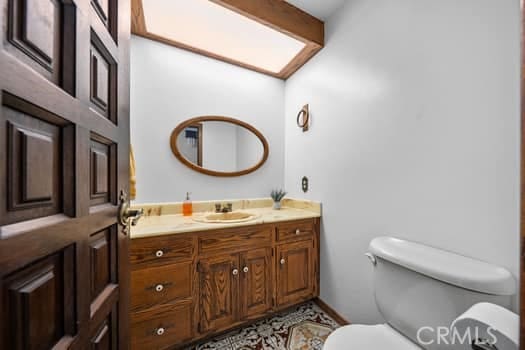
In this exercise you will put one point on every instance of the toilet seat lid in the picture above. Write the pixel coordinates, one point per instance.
(376, 337)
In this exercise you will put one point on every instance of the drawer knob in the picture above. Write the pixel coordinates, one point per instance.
(245, 269)
(235, 272)
(159, 253)
(159, 287)
(297, 231)
(282, 261)
(160, 331)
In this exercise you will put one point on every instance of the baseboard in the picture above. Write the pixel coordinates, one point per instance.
(331, 312)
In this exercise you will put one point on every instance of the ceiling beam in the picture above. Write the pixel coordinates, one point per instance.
(281, 16)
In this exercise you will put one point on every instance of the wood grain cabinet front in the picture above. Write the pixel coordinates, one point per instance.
(193, 285)
(160, 285)
(295, 230)
(161, 327)
(161, 250)
(295, 272)
(234, 288)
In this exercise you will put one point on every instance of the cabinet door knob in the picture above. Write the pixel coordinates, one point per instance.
(159, 287)
(235, 272)
(283, 261)
(245, 269)
(160, 331)
(159, 253)
(297, 231)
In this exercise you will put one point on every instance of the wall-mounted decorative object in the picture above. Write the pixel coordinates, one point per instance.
(303, 118)
(219, 146)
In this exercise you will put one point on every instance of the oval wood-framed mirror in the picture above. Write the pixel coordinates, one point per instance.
(219, 146)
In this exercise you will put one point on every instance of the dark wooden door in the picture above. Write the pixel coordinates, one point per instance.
(219, 292)
(295, 272)
(256, 282)
(64, 143)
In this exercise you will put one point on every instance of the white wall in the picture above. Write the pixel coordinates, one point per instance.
(415, 133)
(168, 86)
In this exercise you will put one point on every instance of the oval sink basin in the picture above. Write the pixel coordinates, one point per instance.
(232, 217)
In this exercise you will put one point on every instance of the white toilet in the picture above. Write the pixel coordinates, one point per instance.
(419, 286)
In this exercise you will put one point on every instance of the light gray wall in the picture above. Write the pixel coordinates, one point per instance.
(415, 133)
(168, 86)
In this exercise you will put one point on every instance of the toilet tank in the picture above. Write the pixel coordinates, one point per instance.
(420, 286)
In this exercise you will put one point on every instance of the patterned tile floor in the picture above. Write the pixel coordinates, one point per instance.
(304, 327)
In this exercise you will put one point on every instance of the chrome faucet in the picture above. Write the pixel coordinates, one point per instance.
(219, 208)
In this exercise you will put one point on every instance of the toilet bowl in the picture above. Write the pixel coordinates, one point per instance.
(380, 336)
(419, 290)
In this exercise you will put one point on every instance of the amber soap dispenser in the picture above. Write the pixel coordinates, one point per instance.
(187, 206)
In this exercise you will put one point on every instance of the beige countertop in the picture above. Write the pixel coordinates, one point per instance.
(165, 219)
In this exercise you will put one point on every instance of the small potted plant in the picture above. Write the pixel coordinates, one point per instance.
(277, 196)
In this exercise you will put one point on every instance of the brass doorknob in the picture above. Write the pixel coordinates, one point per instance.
(125, 212)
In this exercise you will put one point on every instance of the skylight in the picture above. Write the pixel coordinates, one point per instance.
(216, 30)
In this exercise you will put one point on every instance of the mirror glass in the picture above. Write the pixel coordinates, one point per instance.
(219, 146)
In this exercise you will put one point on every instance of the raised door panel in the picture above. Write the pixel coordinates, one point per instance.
(256, 282)
(35, 166)
(34, 37)
(295, 272)
(39, 303)
(102, 170)
(106, 11)
(103, 261)
(219, 286)
(103, 80)
(105, 336)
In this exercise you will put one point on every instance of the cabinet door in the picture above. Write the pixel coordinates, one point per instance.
(219, 292)
(295, 272)
(255, 282)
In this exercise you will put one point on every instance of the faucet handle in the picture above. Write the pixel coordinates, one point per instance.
(229, 206)
(217, 207)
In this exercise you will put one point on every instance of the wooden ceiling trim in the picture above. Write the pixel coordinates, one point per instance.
(276, 14)
(138, 22)
(281, 16)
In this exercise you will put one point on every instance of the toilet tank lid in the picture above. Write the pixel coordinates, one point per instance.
(445, 266)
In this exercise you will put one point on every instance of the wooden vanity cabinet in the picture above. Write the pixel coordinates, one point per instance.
(234, 288)
(192, 285)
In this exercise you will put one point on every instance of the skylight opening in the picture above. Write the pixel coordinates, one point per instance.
(206, 26)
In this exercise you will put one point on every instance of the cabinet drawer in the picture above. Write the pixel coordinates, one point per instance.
(161, 327)
(160, 250)
(160, 285)
(246, 238)
(295, 230)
